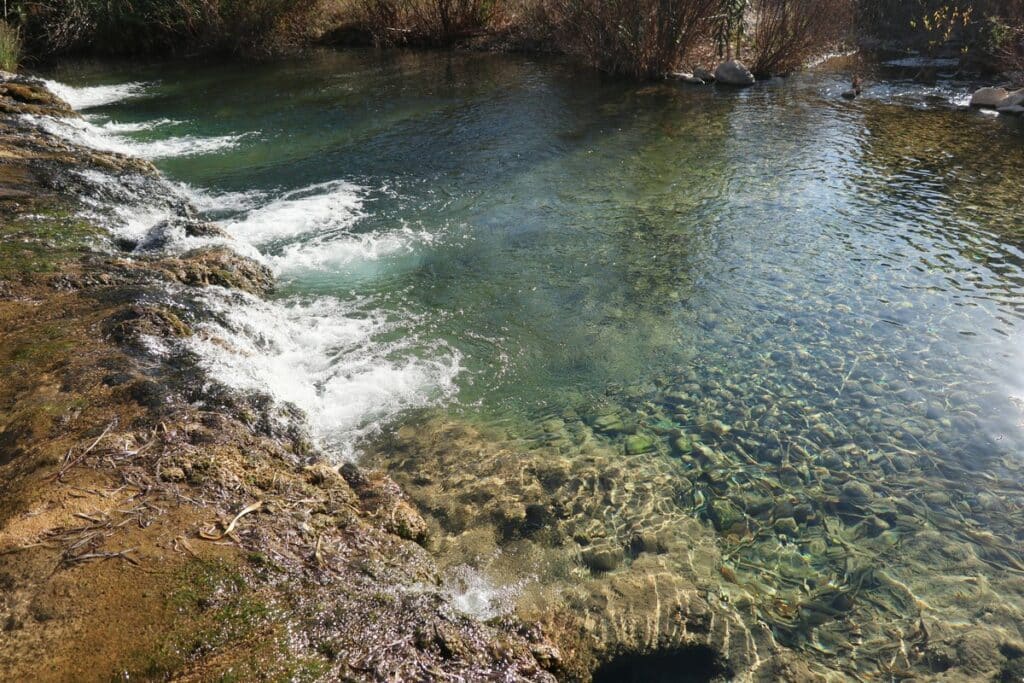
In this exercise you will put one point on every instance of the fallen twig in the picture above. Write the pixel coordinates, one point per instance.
(213, 536)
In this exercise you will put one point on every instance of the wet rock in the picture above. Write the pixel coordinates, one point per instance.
(222, 267)
(609, 424)
(639, 443)
(148, 393)
(733, 72)
(547, 655)
(788, 476)
(166, 233)
(703, 74)
(725, 516)
(718, 428)
(405, 522)
(603, 559)
(24, 95)
(647, 541)
(687, 77)
(937, 499)
(133, 325)
(709, 457)
(787, 526)
(855, 491)
(989, 98)
(683, 444)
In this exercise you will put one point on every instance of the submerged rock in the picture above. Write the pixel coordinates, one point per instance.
(856, 491)
(639, 443)
(724, 515)
(735, 73)
(165, 233)
(603, 559)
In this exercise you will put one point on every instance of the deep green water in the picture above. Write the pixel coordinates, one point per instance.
(840, 285)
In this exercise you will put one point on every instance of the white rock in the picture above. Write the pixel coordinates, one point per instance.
(688, 78)
(989, 97)
(733, 72)
(1014, 98)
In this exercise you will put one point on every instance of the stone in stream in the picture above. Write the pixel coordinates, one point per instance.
(786, 526)
(687, 77)
(609, 424)
(603, 559)
(856, 491)
(989, 98)
(639, 443)
(724, 515)
(735, 73)
(703, 74)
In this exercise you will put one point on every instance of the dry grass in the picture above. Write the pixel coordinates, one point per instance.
(434, 23)
(639, 38)
(10, 47)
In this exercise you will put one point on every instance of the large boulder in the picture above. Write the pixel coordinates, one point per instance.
(734, 72)
(989, 98)
(1013, 104)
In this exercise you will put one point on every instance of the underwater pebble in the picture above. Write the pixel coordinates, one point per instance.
(854, 490)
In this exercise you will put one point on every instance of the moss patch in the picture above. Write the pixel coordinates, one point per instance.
(40, 241)
(227, 630)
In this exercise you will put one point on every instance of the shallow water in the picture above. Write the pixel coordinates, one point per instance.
(774, 293)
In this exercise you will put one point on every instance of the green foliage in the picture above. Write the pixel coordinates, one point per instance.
(729, 26)
(10, 47)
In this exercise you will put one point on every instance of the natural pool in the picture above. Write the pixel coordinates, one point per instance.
(761, 347)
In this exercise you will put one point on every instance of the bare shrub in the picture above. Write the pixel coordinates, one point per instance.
(162, 26)
(788, 33)
(640, 38)
(423, 22)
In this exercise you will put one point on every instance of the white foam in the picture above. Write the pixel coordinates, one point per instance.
(343, 251)
(89, 135)
(322, 357)
(118, 128)
(95, 96)
(475, 595)
(213, 202)
(331, 206)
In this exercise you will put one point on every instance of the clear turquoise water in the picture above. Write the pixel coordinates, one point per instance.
(532, 241)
